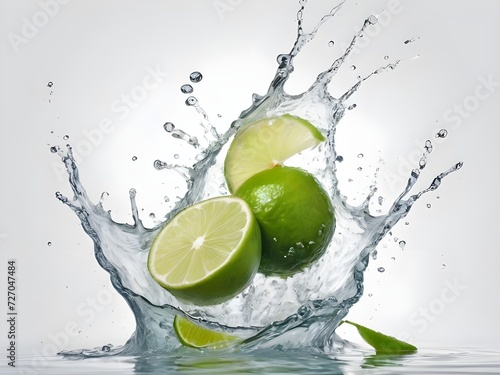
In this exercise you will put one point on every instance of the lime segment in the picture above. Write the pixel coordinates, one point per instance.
(265, 144)
(207, 253)
(193, 335)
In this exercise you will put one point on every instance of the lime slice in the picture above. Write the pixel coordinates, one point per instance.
(207, 253)
(193, 335)
(266, 143)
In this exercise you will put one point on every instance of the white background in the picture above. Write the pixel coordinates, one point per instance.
(96, 51)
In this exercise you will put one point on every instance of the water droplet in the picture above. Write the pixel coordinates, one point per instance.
(176, 156)
(422, 163)
(132, 193)
(443, 266)
(374, 254)
(428, 146)
(66, 137)
(339, 158)
(428, 205)
(169, 127)
(104, 196)
(360, 155)
(393, 258)
(191, 101)
(407, 223)
(352, 106)
(442, 133)
(50, 84)
(54, 149)
(408, 41)
(331, 43)
(370, 295)
(360, 168)
(195, 77)
(186, 89)
(166, 199)
(402, 244)
(353, 67)
(193, 141)
(381, 269)
(219, 115)
(106, 348)
(386, 57)
(159, 165)
(380, 200)
(134, 158)
(152, 215)
(49, 243)
(372, 20)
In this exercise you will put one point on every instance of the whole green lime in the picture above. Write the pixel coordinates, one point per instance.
(295, 216)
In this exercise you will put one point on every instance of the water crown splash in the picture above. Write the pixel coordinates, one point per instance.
(300, 311)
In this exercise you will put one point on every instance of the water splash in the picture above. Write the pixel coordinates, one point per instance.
(299, 311)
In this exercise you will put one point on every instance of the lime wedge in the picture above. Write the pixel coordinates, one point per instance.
(267, 143)
(193, 335)
(207, 253)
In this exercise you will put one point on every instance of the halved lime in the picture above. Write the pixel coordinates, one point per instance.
(207, 253)
(195, 336)
(266, 143)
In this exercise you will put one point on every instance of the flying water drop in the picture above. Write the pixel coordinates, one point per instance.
(186, 89)
(442, 133)
(195, 77)
(169, 127)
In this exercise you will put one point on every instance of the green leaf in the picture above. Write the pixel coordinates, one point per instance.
(382, 344)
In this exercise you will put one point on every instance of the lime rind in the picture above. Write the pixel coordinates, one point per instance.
(383, 344)
(266, 143)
